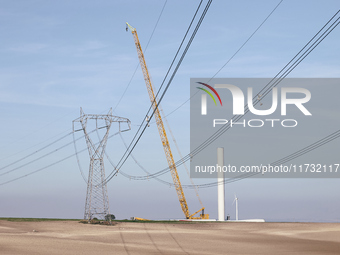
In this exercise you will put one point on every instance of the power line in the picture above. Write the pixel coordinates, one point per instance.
(43, 156)
(33, 132)
(170, 80)
(307, 52)
(54, 163)
(281, 161)
(6, 157)
(128, 151)
(37, 151)
(284, 160)
(232, 56)
(140, 126)
(264, 21)
(269, 86)
(293, 63)
(77, 156)
(37, 159)
(309, 148)
(36, 171)
(33, 153)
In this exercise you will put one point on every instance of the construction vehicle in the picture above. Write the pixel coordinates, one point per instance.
(139, 219)
(162, 133)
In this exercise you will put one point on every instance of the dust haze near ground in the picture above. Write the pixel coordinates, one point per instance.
(69, 237)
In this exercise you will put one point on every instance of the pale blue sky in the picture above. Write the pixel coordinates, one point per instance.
(58, 56)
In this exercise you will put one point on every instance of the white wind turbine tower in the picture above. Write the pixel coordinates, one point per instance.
(236, 203)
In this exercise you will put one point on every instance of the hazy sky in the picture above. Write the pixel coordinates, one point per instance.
(58, 56)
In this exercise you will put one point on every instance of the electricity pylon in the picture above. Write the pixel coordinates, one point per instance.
(97, 201)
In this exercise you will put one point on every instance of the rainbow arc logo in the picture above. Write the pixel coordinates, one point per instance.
(209, 93)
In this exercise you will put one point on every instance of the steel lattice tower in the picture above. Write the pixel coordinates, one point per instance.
(97, 201)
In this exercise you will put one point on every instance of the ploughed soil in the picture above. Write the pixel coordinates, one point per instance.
(72, 237)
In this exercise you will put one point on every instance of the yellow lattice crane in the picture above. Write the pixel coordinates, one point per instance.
(162, 133)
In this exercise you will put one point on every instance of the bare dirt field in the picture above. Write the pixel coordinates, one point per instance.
(71, 237)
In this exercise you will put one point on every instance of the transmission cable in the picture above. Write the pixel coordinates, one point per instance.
(282, 161)
(43, 156)
(276, 80)
(268, 86)
(54, 163)
(140, 126)
(78, 161)
(169, 82)
(232, 56)
(299, 153)
(31, 154)
(128, 151)
(318, 144)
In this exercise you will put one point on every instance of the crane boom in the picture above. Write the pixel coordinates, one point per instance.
(161, 130)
